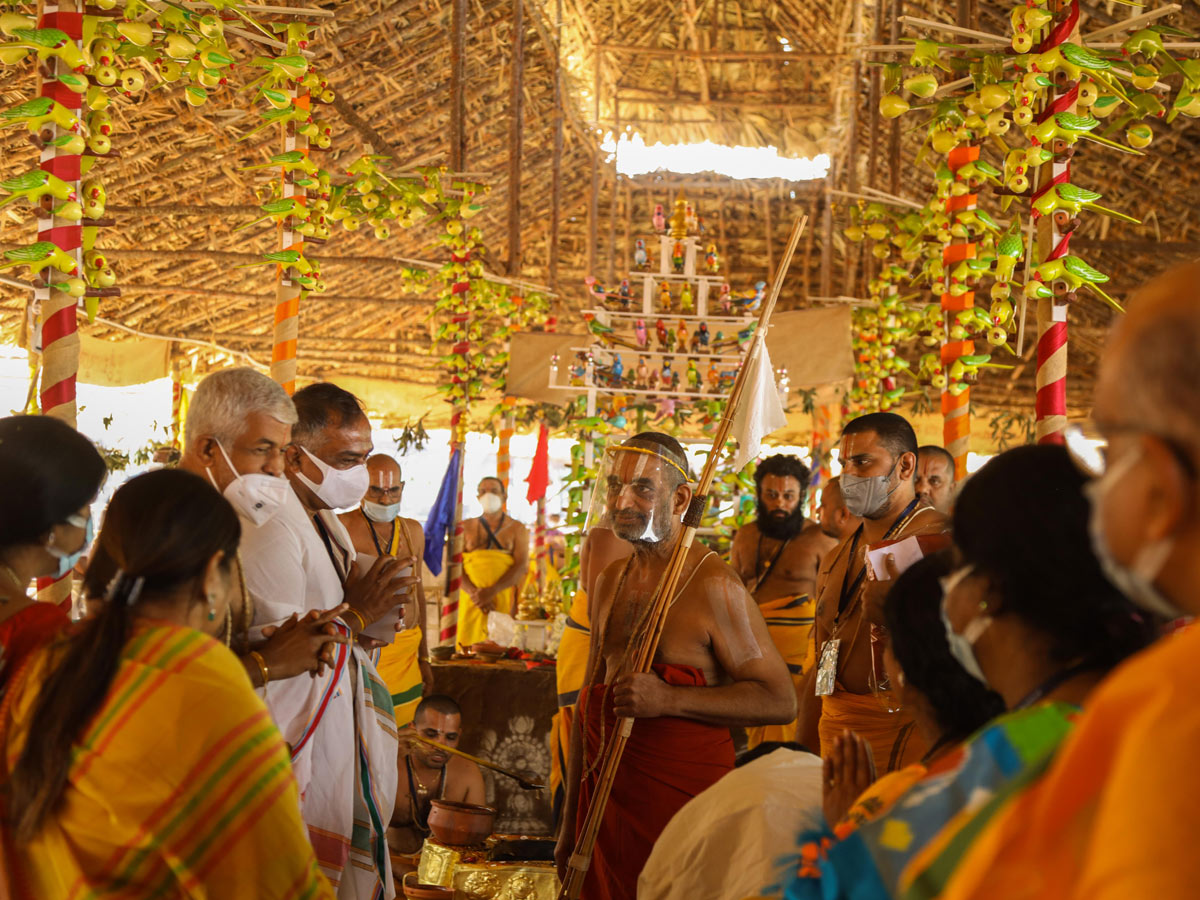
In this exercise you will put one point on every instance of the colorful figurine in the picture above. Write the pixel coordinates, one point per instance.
(685, 298)
(677, 256)
(652, 381)
(702, 336)
(660, 331)
(642, 375)
(639, 334)
(711, 263)
(667, 375)
(689, 218)
(617, 372)
(665, 300)
(640, 259)
(725, 297)
(713, 377)
(658, 220)
(596, 288)
(625, 293)
(693, 376)
(671, 345)
(682, 334)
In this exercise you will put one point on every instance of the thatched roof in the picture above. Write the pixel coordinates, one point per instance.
(751, 72)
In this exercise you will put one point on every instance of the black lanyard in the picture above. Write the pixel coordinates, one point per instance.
(1054, 681)
(492, 539)
(374, 536)
(770, 566)
(328, 543)
(852, 590)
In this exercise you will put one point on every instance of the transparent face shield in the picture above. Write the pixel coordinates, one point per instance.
(634, 495)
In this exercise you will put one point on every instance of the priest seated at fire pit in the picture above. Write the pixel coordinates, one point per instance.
(428, 773)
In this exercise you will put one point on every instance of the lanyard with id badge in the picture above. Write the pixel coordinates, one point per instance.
(827, 666)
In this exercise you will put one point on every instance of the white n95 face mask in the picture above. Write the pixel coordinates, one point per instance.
(339, 488)
(257, 496)
(379, 512)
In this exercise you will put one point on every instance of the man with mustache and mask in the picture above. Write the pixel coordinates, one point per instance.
(341, 728)
(845, 690)
(377, 529)
(1115, 816)
(777, 557)
(716, 667)
(495, 561)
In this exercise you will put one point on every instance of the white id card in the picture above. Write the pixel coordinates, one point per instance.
(828, 666)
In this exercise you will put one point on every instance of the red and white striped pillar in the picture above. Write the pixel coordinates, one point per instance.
(1051, 376)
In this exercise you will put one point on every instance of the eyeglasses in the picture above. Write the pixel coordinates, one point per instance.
(1091, 457)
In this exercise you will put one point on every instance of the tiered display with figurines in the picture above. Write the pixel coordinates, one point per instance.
(670, 335)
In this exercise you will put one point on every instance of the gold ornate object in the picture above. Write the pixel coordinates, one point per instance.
(529, 604)
(679, 220)
(473, 877)
(506, 881)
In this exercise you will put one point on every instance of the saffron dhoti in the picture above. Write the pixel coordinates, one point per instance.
(894, 740)
(789, 621)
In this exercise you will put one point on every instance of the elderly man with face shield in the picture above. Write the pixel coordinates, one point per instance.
(1115, 815)
(847, 689)
(715, 667)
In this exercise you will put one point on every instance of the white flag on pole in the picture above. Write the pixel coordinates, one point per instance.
(760, 411)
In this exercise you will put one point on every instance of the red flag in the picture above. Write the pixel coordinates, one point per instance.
(539, 473)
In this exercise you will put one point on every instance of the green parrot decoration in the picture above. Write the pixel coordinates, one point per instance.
(37, 112)
(39, 256)
(35, 185)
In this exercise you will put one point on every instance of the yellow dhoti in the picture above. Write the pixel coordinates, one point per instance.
(399, 667)
(570, 673)
(790, 621)
(484, 568)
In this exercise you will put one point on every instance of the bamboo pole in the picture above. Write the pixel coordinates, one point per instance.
(646, 644)
(556, 164)
(611, 274)
(458, 78)
(516, 135)
(894, 136)
(593, 236)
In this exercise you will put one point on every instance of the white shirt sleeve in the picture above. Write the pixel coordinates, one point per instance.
(275, 572)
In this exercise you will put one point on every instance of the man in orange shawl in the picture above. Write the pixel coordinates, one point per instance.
(843, 690)
(1115, 816)
(777, 557)
(716, 668)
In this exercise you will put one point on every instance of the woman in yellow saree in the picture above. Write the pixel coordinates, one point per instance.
(138, 760)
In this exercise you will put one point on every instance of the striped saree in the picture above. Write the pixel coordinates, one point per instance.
(181, 786)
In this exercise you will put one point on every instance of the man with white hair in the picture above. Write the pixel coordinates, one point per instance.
(238, 424)
(338, 726)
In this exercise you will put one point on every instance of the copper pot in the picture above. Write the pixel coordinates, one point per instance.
(460, 824)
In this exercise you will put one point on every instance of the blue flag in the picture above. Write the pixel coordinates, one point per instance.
(442, 515)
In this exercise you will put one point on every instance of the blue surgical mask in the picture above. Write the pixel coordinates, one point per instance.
(67, 561)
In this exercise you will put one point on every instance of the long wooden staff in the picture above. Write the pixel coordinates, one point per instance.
(581, 857)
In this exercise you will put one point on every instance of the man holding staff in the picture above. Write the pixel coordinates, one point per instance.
(715, 667)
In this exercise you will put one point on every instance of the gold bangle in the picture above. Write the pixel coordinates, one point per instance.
(362, 620)
(262, 667)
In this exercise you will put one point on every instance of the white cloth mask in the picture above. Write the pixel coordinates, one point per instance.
(256, 496)
(339, 488)
(491, 503)
(379, 512)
